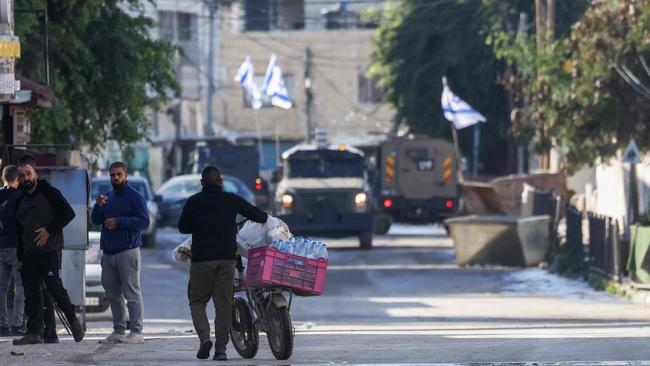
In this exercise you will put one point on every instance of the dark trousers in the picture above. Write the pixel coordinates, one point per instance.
(212, 280)
(48, 313)
(36, 272)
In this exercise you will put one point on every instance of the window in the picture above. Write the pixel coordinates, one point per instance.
(265, 15)
(369, 90)
(324, 164)
(166, 25)
(266, 100)
(257, 16)
(173, 26)
(186, 24)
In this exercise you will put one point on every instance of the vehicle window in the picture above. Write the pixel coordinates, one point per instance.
(230, 186)
(180, 188)
(140, 187)
(417, 154)
(100, 187)
(320, 168)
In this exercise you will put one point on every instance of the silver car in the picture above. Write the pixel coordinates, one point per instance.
(96, 302)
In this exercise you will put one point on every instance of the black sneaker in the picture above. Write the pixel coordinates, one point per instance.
(28, 339)
(4, 332)
(204, 349)
(77, 331)
(51, 339)
(220, 356)
(17, 331)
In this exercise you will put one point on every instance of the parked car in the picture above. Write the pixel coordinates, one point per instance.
(101, 185)
(96, 302)
(175, 192)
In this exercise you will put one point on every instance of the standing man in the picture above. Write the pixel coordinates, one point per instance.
(123, 215)
(42, 214)
(9, 198)
(210, 217)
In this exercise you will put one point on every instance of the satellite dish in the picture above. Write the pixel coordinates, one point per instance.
(6, 12)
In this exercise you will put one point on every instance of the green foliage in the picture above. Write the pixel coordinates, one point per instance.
(105, 69)
(571, 94)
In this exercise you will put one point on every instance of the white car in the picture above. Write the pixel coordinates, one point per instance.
(96, 303)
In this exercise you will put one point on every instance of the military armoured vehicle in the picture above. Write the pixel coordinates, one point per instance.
(415, 181)
(324, 191)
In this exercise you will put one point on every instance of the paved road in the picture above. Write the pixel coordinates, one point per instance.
(403, 302)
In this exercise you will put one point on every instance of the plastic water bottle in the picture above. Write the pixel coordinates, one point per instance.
(300, 248)
(309, 249)
(322, 252)
(291, 248)
(279, 245)
(314, 250)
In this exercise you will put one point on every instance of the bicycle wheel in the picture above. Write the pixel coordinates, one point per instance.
(280, 332)
(243, 333)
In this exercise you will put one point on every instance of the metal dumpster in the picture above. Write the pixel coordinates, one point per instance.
(500, 240)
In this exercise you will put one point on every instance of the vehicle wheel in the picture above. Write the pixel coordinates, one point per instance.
(244, 333)
(365, 240)
(382, 225)
(280, 332)
(149, 240)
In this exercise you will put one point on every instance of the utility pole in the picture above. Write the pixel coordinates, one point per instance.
(521, 36)
(539, 23)
(544, 31)
(550, 20)
(308, 93)
(212, 5)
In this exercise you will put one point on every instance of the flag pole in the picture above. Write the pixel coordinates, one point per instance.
(475, 148)
(459, 162)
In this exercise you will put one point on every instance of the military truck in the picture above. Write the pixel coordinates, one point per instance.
(415, 181)
(323, 190)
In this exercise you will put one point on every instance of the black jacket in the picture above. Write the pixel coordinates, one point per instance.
(9, 198)
(45, 207)
(210, 217)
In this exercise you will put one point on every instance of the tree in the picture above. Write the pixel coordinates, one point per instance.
(582, 92)
(106, 70)
(419, 41)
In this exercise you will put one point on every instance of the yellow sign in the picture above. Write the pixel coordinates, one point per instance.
(9, 47)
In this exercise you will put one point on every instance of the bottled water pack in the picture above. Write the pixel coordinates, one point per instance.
(301, 247)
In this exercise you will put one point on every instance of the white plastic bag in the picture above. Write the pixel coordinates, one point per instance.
(183, 253)
(277, 229)
(254, 235)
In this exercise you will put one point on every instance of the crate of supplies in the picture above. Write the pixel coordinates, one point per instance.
(268, 267)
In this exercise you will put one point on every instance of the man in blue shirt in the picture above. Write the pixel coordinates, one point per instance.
(123, 215)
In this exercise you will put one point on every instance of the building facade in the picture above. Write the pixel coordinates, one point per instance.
(330, 52)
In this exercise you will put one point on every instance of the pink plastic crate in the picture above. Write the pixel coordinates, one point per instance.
(269, 267)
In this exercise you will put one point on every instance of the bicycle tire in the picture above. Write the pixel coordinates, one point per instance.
(244, 333)
(280, 332)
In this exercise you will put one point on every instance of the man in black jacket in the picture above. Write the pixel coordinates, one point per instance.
(9, 198)
(210, 217)
(42, 214)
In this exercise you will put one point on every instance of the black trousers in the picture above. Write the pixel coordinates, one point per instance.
(36, 272)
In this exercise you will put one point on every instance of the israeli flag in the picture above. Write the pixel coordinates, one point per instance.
(274, 85)
(246, 77)
(457, 110)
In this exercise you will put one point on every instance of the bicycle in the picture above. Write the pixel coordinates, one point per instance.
(261, 309)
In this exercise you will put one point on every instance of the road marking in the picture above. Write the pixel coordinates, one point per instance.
(388, 267)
